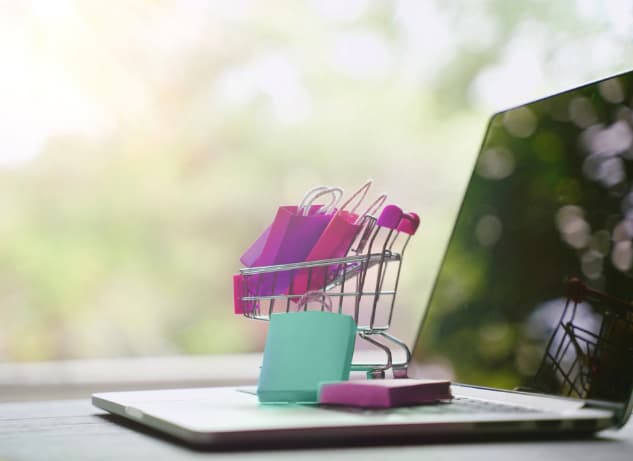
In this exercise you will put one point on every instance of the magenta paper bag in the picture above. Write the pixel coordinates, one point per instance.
(292, 235)
(255, 250)
(241, 306)
(334, 242)
(305, 221)
(289, 239)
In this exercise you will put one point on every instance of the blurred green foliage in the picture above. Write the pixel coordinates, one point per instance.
(146, 146)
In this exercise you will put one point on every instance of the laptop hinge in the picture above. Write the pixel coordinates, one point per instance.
(602, 405)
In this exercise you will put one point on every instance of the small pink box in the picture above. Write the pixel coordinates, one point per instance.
(384, 393)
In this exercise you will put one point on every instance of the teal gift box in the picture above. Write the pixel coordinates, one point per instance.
(304, 349)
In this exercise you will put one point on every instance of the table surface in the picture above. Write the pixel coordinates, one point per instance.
(74, 429)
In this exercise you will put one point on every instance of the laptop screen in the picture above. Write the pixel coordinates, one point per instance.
(535, 289)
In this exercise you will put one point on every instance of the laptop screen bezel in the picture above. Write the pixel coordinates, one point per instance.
(622, 414)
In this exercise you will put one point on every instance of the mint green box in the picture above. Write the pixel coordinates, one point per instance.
(302, 350)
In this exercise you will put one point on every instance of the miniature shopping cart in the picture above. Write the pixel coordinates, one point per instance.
(362, 284)
(589, 359)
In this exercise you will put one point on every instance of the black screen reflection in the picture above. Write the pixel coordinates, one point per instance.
(586, 355)
(536, 286)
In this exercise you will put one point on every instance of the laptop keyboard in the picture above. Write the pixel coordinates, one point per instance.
(466, 405)
(460, 405)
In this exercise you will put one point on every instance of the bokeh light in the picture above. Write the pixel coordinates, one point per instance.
(145, 146)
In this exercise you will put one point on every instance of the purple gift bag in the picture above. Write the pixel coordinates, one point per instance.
(291, 236)
(303, 221)
(335, 242)
(289, 239)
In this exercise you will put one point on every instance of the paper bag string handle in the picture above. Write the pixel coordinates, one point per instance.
(362, 192)
(373, 208)
(316, 192)
(309, 195)
(315, 295)
(337, 194)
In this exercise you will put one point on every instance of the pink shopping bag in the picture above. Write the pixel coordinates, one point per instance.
(241, 306)
(334, 242)
(294, 230)
(289, 239)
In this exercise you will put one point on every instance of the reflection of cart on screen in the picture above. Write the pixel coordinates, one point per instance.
(362, 284)
(587, 361)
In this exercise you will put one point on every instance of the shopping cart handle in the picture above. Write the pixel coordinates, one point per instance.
(390, 217)
(409, 223)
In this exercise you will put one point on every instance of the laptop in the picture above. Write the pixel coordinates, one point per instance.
(530, 316)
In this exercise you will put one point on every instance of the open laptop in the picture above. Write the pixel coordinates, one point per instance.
(531, 311)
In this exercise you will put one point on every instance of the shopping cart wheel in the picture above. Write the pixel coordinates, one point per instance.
(400, 373)
(376, 374)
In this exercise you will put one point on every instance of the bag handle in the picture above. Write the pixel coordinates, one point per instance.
(373, 208)
(336, 193)
(309, 195)
(316, 192)
(362, 192)
(315, 295)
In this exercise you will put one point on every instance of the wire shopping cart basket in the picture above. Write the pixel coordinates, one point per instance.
(587, 359)
(362, 284)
